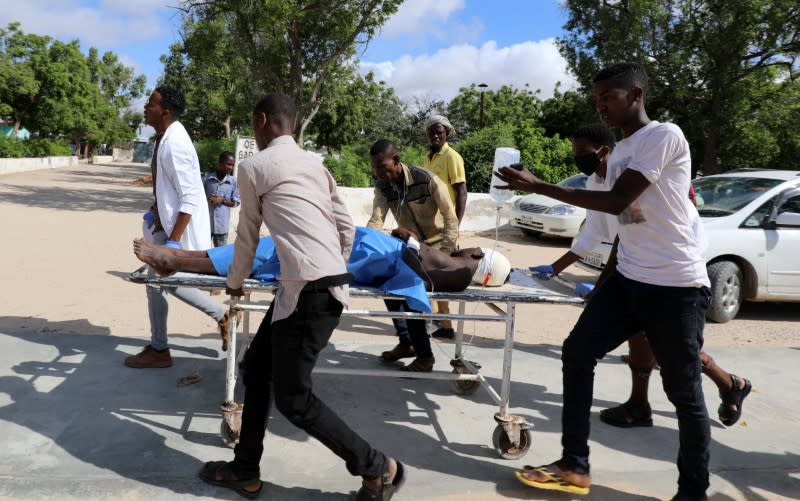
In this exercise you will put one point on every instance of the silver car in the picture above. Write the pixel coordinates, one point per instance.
(536, 214)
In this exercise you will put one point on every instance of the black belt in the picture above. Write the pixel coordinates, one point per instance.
(324, 283)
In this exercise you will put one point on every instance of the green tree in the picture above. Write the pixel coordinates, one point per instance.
(119, 87)
(293, 46)
(18, 83)
(207, 67)
(504, 105)
(477, 150)
(357, 110)
(350, 166)
(703, 57)
(565, 112)
(415, 111)
(53, 89)
(549, 157)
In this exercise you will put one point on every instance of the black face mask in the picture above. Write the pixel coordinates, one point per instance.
(587, 163)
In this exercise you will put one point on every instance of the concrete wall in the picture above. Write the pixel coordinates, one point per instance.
(480, 214)
(122, 155)
(12, 165)
(102, 159)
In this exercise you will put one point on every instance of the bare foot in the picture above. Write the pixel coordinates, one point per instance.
(157, 256)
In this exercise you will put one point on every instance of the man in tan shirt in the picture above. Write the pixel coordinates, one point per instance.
(420, 202)
(295, 196)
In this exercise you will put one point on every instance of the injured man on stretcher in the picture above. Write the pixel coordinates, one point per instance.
(396, 264)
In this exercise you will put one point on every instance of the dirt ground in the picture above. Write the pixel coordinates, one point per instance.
(67, 247)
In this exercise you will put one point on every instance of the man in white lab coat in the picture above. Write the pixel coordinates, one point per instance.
(179, 219)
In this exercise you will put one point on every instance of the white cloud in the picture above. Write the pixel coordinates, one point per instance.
(127, 61)
(69, 19)
(440, 75)
(419, 16)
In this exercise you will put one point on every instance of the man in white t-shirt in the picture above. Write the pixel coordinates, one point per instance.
(592, 146)
(660, 284)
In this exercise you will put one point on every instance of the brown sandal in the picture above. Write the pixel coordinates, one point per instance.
(228, 478)
(398, 352)
(388, 489)
(420, 365)
(628, 415)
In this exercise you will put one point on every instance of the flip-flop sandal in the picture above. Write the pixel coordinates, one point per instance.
(627, 416)
(209, 474)
(553, 480)
(736, 397)
(389, 488)
(189, 379)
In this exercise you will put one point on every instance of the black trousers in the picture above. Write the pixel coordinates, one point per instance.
(278, 364)
(410, 330)
(673, 319)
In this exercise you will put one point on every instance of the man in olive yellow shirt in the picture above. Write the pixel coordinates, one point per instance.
(448, 165)
(419, 202)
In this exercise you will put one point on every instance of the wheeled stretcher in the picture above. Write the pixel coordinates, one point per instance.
(511, 437)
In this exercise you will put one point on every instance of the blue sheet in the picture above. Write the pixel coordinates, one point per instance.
(375, 261)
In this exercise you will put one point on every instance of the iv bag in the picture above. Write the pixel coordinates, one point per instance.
(503, 157)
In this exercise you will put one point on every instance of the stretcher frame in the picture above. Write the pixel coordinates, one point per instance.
(511, 437)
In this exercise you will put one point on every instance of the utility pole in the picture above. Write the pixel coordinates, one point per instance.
(482, 87)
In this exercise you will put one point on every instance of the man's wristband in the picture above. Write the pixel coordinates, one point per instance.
(173, 244)
(412, 243)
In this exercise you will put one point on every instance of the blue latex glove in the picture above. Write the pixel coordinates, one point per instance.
(173, 244)
(150, 218)
(543, 272)
(583, 289)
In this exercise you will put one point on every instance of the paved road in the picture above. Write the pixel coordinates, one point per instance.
(78, 425)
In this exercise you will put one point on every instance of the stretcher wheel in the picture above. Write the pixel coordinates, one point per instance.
(230, 437)
(464, 387)
(504, 448)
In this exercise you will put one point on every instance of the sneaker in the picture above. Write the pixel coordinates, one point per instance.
(444, 333)
(149, 358)
(420, 365)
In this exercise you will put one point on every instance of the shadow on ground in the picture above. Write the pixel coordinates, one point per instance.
(125, 198)
(72, 389)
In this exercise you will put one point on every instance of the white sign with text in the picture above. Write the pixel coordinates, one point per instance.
(245, 148)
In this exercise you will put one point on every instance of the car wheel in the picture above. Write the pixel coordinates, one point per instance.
(530, 233)
(726, 291)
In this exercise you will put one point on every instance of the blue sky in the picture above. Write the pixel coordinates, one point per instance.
(429, 48)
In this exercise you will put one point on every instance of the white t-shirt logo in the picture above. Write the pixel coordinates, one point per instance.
(632, 214)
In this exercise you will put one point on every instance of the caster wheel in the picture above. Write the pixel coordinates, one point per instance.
(230, 437)
(504, 448)
(464, 387)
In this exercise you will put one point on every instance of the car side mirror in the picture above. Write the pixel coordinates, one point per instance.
(772, 222)
(788, 219)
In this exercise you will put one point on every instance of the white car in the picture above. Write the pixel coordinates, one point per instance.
(536, 214)
(752, 221)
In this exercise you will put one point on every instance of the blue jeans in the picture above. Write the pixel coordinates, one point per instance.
(158, 307)
(673, 319)
(410, 331)
(219, 239)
